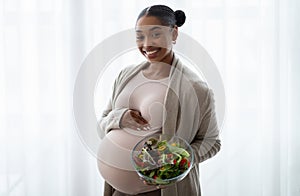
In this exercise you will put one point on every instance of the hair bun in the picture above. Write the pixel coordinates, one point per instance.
(180, 17)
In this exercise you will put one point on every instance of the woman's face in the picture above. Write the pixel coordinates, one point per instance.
(155, 40)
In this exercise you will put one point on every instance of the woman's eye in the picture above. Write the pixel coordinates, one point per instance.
(139, 38)
(155, 35)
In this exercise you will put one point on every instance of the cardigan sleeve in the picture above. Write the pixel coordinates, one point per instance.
(111, 116)
(110, 119)
(206, 142)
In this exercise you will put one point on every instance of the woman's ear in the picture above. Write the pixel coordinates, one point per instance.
(174, 33)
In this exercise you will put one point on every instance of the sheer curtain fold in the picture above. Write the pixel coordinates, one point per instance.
(254, 44)
(41, 153)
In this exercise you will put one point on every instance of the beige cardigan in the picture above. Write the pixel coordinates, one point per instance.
(190, 114)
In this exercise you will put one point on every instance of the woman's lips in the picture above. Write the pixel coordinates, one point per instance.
(151, 53)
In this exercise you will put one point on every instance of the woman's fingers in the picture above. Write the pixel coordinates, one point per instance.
(139, 127)
(137, 117)
(133, 119)
(140, 122)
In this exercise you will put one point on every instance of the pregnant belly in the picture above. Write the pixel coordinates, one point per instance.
(114, 162)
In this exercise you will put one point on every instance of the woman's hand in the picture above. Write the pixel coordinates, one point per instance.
(133, 119)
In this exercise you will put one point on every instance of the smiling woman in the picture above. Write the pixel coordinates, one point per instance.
(161, 93)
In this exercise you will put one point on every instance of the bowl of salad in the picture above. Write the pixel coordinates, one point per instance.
(162, 159)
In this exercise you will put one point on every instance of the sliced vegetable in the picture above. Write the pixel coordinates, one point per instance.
(160, 160)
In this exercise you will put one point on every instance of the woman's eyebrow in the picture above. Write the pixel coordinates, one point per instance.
(154, 28)
(151, 29)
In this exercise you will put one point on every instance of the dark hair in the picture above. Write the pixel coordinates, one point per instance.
(165, 14)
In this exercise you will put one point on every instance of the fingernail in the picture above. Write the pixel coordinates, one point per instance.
(145, 128)
(148, 127)
(138, 129)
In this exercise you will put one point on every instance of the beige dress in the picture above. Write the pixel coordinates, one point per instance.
(146, 96)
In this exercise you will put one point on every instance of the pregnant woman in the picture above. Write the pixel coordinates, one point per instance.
(158, 95)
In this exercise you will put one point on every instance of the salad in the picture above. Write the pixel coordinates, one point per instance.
(160, 161)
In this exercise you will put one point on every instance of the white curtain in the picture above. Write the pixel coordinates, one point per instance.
(253, 42)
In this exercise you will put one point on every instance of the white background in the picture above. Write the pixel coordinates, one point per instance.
(254, 44)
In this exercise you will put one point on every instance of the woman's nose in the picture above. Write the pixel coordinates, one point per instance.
(148, 42)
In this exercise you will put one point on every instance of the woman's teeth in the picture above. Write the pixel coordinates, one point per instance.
(151, 52)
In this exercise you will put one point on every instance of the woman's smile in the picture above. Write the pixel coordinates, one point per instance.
(151, 53)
